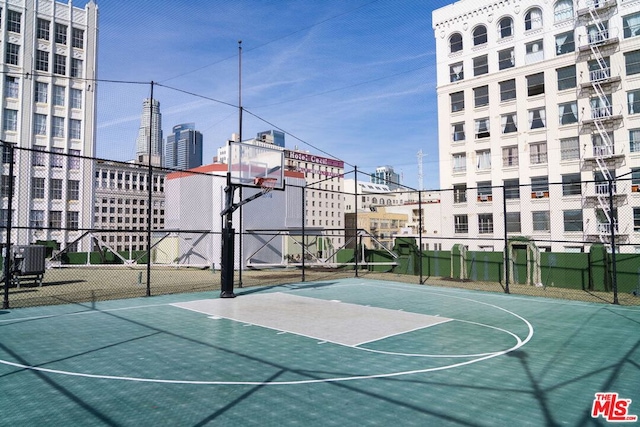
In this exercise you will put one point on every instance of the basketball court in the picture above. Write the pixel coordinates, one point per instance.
(344, 352)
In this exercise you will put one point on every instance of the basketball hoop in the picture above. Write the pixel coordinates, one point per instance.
(266, 184)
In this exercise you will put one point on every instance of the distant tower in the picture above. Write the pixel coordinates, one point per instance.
(150, 124)
(184, 147)
(385, 175)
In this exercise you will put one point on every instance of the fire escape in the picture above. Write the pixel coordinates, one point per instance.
(601, 118)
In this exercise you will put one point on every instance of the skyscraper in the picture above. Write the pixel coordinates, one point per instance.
(387, 176)
(184, 147)
(150, 132)
(49, 105)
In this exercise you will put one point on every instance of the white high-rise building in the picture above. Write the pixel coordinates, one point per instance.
(48, 94)
(533, 93)
(150, 132)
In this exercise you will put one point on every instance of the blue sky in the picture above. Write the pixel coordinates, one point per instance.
(353, 79)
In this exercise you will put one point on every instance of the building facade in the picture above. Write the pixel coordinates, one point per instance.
(542, 98)
(49, 110)
(183, 149)
(121, 208)
(150, 132)
(385, 175)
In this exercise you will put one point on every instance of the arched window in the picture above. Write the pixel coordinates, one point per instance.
(505, 27)
(533, 19)
(563, 10)
(374, 201)
(479, 35)
(455, 42)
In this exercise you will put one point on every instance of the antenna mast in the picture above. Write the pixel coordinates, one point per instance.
(420, 171)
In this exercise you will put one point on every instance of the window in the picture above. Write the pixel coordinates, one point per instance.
(484, 190)
(40, 124)
(58, 95)
(38, 157)
(11, 87)
(458, 132)
(57, 159)
(631, 25)
(55, 189)
(483, 160)
(571, 185)
(42, 60)
(59, 64)
(636, 219)
(481, 96)
(535, 84)
(72, 220)
(599, 69)
(508, 90)
(479, 35)
(58, 127)
(632, 62)
(633, 102)
(537, 118)
(61, 34)
(510, 156)
(568, 113)
(36, 219)
(55, 219)
(505, 27)
(538, 153)
(4, 186)
(563, 10)
(506, 59)
(455, 42)
(459, 193)
(598, 33)
(509, 123)
(42, 92)
(12, 54)
(37, 188)
(566, 77)
(42, 30)
(573, 220)
(569, 149)
(512, 189)
(565, 43)
(73, 161)
(456, 72)
(77, 38)
(75, 129)
(73, 190)
(461, 224)
(485, 223)
(457, 101)
(6, 154)
(76, 98)
(480, 65)
(533, 52)
(13, 21)
(482, 128)
(459, 162)
(540, 184)
(10, 122)
(513, 222)
(76, 67)
(541, 220)
(533, 19)
(601, 107)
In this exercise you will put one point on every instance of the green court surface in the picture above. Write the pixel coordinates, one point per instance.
(351, 352)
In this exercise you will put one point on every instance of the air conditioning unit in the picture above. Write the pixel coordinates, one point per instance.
(635, 188)
(483, 198)
(539, 194)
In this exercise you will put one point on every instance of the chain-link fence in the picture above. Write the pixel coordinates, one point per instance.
(79, 229)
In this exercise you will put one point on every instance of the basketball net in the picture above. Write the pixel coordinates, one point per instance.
(266, 184)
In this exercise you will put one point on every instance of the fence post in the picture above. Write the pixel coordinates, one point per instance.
(7, 248)
(506, 240)
(355, 251)
(149, 194)
(304, 220)
(420, 234)
(614, 268)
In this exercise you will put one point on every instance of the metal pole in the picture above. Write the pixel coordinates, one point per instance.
(7, 248)
(506, 240)
(614, 268)
(149, 194)
(357, 240)
(304, 219)
(420, 234)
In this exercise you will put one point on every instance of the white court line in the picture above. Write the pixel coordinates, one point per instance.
(519, 344)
